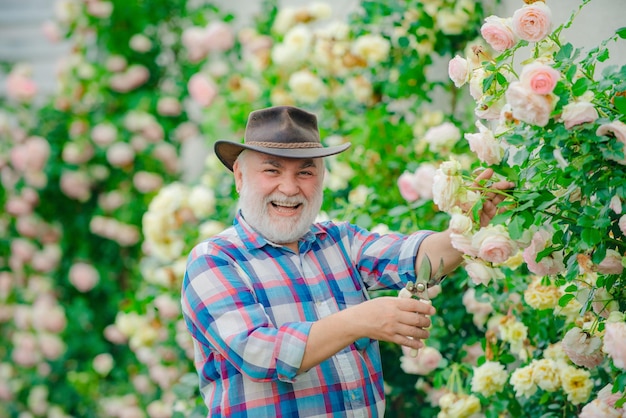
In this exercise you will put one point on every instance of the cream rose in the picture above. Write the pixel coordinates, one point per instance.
(489, 378)
(577, 113)
(485, 145)
(617, 129)
(494, 244)
(458, 70)
(527, 106)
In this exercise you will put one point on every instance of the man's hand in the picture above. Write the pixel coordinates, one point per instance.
(403, 321)
(492, 199)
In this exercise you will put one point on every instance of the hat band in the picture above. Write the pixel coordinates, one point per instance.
(285, 145)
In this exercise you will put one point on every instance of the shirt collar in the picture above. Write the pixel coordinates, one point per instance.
(253, 240)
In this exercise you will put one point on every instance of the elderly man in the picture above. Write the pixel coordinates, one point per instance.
(278, 305)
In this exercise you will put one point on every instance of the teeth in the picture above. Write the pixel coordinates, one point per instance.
(287, 205)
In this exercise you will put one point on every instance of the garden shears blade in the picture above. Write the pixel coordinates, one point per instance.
(424, 281)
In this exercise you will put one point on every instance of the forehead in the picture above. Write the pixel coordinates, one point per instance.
(260, 158)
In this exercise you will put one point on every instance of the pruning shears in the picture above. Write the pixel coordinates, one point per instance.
(424, 281)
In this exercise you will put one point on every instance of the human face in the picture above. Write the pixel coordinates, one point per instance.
(279, 197)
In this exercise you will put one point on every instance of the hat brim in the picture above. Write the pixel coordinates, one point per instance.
(228, 151)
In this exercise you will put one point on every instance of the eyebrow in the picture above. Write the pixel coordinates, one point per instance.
(306, 163)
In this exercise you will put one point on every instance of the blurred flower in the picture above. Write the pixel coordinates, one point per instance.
(202, 89)
(103, 363)
(442, 137)
(140, 43)
(306, 86)
(614, 337)
(489, 378)
(426, 360)
(458, 71)
(83, 276)
(458, 406)
(19, 84)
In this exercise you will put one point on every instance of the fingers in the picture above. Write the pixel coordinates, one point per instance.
(416, 306)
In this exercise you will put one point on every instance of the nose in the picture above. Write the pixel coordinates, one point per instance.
(289, 186)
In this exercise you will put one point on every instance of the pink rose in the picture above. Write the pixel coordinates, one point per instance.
(51, 31)
(527, 106)
(83, 276)
(19, 84)
(76, 185)
(104, 134)
(616, 129)
(548, 265)
(219, 36)
(51, 346)
(417, 185)
(494, 244)
(583, 349)
(577, 113)
(147, 182)
(614, 337)
(622, 224)
(407, 190)
(532, 22)
(120, 154)
(31, 155)
(539, 77)
(612, 263)
(498, 33)
(202, 89)
(427, 360)
(616, 204)
(195, 41)
(458, 70)
(132, 78)
(463, 243)
(169, 106)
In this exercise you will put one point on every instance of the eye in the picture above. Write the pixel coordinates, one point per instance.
(306, 173)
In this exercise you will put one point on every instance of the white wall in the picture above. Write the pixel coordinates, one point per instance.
(21, 38)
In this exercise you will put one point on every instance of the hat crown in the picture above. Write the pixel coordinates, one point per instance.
(282, 127)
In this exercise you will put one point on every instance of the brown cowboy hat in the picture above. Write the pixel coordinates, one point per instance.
(284, 131)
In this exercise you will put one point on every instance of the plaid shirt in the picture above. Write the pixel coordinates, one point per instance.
(249, 306)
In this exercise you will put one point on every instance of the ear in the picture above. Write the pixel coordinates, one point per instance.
(238, 175)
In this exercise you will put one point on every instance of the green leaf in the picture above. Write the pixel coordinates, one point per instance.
(580, 86)
(565, 52)
(565, 299)
(591, 236)
(620, 104)
(603, 56)
(621, 32)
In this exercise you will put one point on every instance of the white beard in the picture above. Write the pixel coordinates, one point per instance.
(277, 229)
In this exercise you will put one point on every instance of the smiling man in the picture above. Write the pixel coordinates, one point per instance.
(278, 304)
